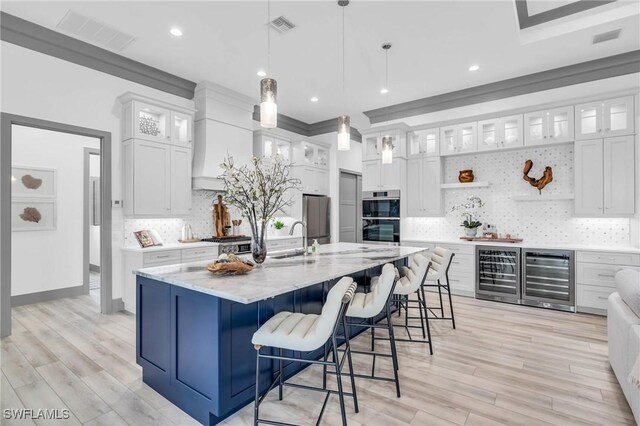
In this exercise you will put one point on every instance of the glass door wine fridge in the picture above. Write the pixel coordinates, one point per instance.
(548, 279)
(498, 274)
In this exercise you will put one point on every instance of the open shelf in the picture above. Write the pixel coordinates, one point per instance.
(464, 185)
(543, 197)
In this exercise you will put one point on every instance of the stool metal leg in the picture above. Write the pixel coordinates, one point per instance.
(440, 296)
(280, 376)
(336, 358)
(453, 320)
(256, 403)
(426, 318)
(394, 354)
(350, 362)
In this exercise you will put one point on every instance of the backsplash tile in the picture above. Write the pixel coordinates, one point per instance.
(538, 222)
(201, 221)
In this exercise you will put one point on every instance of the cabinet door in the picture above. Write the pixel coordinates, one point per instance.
(180, 180)
(414, 187)
(151, 178)
(371, 175)
(467, 137)
(510, 131)
(322, 182)
(151, 122)
(448, 140)
(560, 122)
(589, 177)
(423, 143)
(390, 174)
(322, 157)
(618, 117)
(431, 193)
(619, 175)
(535, 128)
(488, 134)
(371, 146)
(589, 120)
(181, 129)
(283, 149)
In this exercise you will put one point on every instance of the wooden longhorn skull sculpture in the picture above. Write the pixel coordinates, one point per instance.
(547, 176)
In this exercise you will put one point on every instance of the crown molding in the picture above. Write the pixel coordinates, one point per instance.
(598, 69)
(26, 34)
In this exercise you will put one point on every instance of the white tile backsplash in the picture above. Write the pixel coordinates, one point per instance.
(201, 221)
(543, 222)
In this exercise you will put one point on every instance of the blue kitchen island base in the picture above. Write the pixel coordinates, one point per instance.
(195, 348)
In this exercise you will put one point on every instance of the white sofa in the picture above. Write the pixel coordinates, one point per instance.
(623, 329)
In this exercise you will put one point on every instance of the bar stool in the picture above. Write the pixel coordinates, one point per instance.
(304, 333)
(369, 305)
(412, 280)
(438, 271)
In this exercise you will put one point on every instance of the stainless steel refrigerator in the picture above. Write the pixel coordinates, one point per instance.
(316, 212)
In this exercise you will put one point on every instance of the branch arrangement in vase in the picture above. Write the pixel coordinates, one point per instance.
(259, 190)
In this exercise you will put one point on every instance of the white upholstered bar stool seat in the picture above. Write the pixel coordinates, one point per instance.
(305, 333)
(413, 276)
(438, 276)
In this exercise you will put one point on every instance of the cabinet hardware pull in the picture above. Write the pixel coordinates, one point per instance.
(606, 258)
(606, 275)
(602, 298)
(163, 256)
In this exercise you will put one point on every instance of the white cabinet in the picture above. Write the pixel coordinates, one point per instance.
(314, 180)
(605, 177)
(309, 153)
(182, 129)
(613, 117)
(157, 179)
(423, 143)
(377, 176)
(372, 141)
(595, 277)
(151, 120)
(267, 145)
(498, 133)
(458, 139)
(424, 195)
(549, 126)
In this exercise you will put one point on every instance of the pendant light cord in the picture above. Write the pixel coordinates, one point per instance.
(344, 98)
(269, 38)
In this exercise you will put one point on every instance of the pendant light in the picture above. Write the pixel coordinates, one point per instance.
(344, 121)
(387, 140)
(268, 86)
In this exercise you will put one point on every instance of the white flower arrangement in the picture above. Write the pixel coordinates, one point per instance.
(468, 210)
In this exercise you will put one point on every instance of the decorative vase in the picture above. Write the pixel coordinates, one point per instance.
(259, 245)
(280, 232)
(471, 232)
(466, 176)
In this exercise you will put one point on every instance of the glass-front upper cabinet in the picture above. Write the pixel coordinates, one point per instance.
(549, 126)
(467, 137)
(613, 117)
(448, 140)
(459, 138)
(322, 157)
(487, 134)
(151, 122)
(423, 143)
(306, 153)
(182, 129)
(267, 145)
(499, 133)
(370, 144)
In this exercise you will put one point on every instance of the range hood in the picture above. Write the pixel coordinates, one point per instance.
(223, 127)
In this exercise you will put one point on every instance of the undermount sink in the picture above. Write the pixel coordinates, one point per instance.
(288, 254)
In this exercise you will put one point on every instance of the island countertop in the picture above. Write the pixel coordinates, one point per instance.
(279, 276)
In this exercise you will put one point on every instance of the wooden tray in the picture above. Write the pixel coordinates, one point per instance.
(496, 240)
(224, 237)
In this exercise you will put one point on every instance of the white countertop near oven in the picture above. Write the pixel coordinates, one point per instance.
(169, 246)
(525, 244)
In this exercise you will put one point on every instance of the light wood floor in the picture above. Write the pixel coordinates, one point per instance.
(504, 364)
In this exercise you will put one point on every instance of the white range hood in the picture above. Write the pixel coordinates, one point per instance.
(223, 126)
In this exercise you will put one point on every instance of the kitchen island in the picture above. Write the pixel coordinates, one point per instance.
(194, 329)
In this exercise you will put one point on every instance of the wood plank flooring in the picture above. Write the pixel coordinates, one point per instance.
(503, 365)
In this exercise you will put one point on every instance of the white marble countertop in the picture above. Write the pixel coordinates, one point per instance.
(279, 276)
(169, 246)
(282, 237)
(525, 244)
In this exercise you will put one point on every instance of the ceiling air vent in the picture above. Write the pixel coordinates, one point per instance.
(609, 35)
(94, 32)
(282, 25)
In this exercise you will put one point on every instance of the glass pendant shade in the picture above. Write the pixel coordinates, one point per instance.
(268, 105)
(387, 150)
(344, 133)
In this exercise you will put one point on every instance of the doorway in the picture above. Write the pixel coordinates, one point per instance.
(43, 201)
(350, 214)
(91, 223)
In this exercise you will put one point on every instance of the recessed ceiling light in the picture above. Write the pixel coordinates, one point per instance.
(314, 99)
(474, 68)
(384, 90)
(261, 73)
(176, 32)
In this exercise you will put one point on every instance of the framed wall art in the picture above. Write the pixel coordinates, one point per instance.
(33, 215)
(33, 182)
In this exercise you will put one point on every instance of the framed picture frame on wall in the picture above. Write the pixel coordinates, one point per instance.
(33, 182)
(33, 215)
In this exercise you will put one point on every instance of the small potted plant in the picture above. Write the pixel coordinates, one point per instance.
(279, 226)
(468, 210)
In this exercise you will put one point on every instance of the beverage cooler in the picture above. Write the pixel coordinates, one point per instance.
(534, 277)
